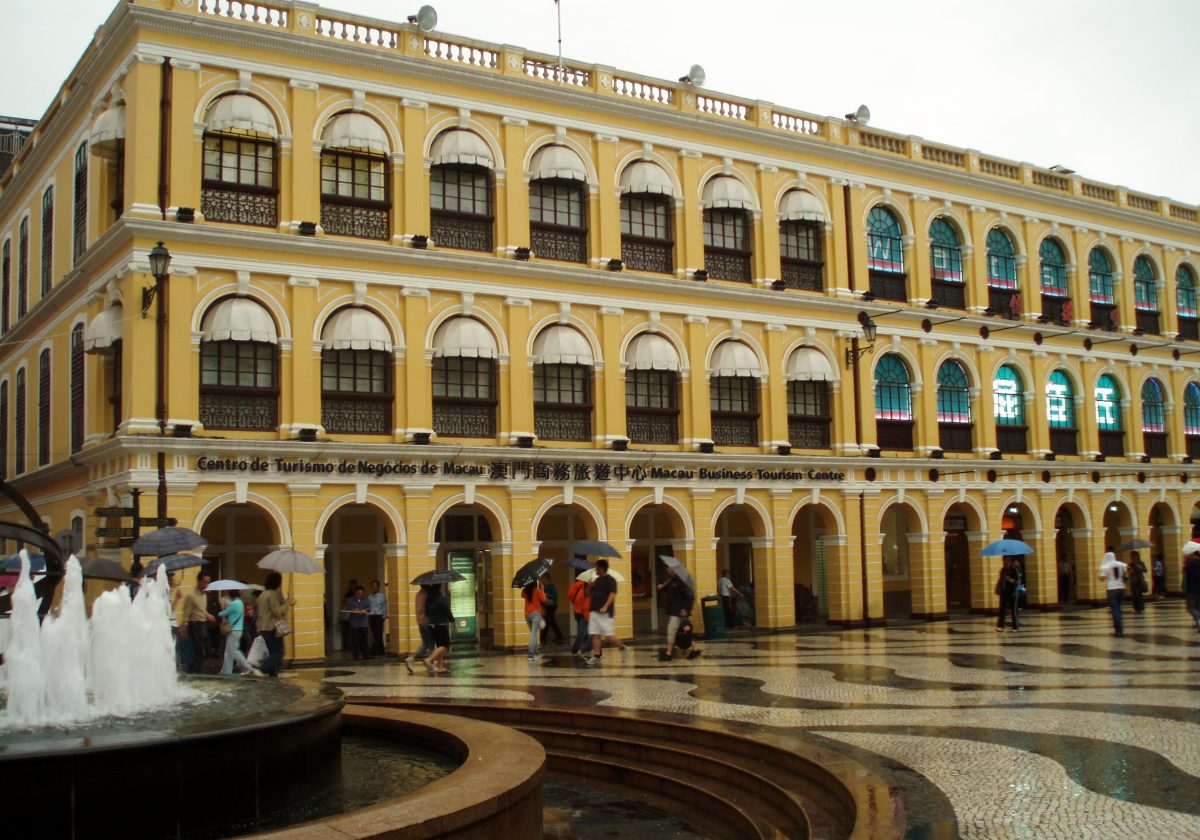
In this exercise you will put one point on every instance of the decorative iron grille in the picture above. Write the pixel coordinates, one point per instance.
(1192, 446)
(734, 429)
(725, 265)
(1189, 329)
(803, 275)
(468, 234)
(356, 415)
(652, 427)
(346, 219)
(1147, 322)
(894, 434)
(1011, 439)
(245, 208)
(948, 294)
(1156, 444)
(251, 412)
(808, 433)
(1056, 309)
(1112, 443)
(955, 437)
(1064, 441)
(554, 243)
(1102, 316)
(646, 255)
(558, 423)
(1000, 301)
(888, 286)
(457, 419)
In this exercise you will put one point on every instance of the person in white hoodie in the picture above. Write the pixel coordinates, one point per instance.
(1112, 572)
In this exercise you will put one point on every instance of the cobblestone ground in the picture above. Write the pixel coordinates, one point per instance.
(1057, 730)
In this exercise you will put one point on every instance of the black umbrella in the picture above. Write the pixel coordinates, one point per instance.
(579, 563)
(1132, 544)
(101, 568)
(166, 541)
(175, 562)
(595, 548)
(530, 572)
(436, 577)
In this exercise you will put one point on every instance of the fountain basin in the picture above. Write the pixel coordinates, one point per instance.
(251, 753)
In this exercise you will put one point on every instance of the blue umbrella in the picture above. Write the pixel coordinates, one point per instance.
(1005, 548)
(175, 562)
(166, 541)
(595, 548)
(579, 563)
(12, 563)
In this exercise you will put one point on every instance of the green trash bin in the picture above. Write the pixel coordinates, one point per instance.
(714, 618)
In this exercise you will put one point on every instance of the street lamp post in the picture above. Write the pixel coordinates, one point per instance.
(160, 265)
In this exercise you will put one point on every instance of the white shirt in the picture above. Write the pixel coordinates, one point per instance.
(378, 602)
(725, 587)
(1112, 572)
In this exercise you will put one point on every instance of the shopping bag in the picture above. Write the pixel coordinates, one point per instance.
(258, 652)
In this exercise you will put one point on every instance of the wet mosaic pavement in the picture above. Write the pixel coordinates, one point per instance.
(1058, 730)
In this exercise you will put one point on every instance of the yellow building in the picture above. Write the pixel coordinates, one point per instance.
(436, 302)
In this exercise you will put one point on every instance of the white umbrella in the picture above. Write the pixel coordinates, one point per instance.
(681, 571)
(290, 560)
(1190, 547)
(225, 586)
(590, 575)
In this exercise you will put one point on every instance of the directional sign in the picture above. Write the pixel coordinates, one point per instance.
(115, 511)
(114, 532)
(158, 522)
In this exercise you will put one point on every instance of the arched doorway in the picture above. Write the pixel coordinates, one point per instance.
(737, 530)
(810, 573)
(464, 537)
(957, 553)
(1014, 522)
(237, 537)
(1118, 524)
(896, 524)
(558, 528)
(1162, 545)
(354, 539)
(654, 532)
(1066, 521)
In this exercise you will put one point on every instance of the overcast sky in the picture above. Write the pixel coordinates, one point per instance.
(1105, 87)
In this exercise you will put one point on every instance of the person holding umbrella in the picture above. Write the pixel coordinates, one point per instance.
(437, 609)
(272, 607)
(235, 614)
(1137, 582)
(577, 594)
(197, 618)
(679, 598)
(603, 597)
(429, 583)
(535, 598)
(1006, 588)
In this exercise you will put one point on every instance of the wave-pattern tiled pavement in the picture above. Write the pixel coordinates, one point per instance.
(1058, 730)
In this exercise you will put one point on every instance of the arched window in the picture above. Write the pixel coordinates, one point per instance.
(1185, 302)
(464, 379)
(1056, 300)
(1060, 413)
(647, 202)
(733, 394)
(1108, 416)
(1002, 275)
(558, 205)
(1191, 419)
(562, 384)
(4, 429)
(5, 286)
(885, 254)
(953, 408)
(23, 268)
(354, 182)
(239, 387)
(77, 389)
(1154, 419)
(240, 183)
(808, 376)
(79, 217)
(652, 390)
(103, 336)
(945, 265)
(19, 424)
(43, 437)
(47, 266)
(356, 373)
(1008, 405)
(1100, 291)
(801, 223)
(460, 191)
(1145, 295)
(893, 403)
(727, 246)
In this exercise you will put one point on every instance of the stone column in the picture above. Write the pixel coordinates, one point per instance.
(512, 189)
(697, 414)
(516, 396)
(767, 230)
(300, 183)
(616, 502)
(303, 381)
(704, 558)
(926, 573)
(508, 613)
(415, 379)
(775, 602)
(307, 641)
(689, 224)
(773, 391)
(412, 197)
(610, 378)
(143, 91)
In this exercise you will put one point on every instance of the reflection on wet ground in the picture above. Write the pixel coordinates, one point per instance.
(1058, 730)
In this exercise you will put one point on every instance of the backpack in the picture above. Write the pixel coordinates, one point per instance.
(683, 636)
(577, 594)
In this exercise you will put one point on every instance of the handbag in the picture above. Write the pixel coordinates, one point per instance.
(226, 627)
(258, 652)
(282, 628)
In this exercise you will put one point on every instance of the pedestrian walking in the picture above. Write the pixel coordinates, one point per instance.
(1113, 572)
(441, 619)
(378, 615)
(1137, 582)
(678, 598)
(358, 612)
(345, 617)
(1191, 583)
(234, 616)
(1006, 588)
(727, 592)
(550, 611)
(602, 595)
(1158, 575)
(197, 618)
(424, 628)
(534, 597)
(272, 608)
(577, 594)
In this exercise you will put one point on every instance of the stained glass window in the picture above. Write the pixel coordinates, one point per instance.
(1008, 397)
(1108, 404)
(1145, 285)
(893, 389)
(945, 254)
(1153, 416)
(1100, 277)
(953, 394)
(1185, 292)
(1054, 268)
(1060, 401)
(1191, 409)
(1001, 260)
(885, 249)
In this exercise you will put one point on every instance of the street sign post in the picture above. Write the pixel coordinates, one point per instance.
(157, 521)
(114, 532)
(103, 513)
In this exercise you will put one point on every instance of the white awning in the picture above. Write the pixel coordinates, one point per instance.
(799, 205)
(651, 352)
(645, 177)
(355, 131)
(107, 131)
(241, 112)
(560, 345)
(463, 336)
(808, 365)
(733, 358)
(239, 319)
(726, 191)
(355, 328)
(556, 162)
(104, 329)
(460, 146)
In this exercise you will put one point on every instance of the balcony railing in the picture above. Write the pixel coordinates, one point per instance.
(1054, 309)
(555, 243)
(955, 437)
(894, 434)
(656, 427)
(1189, 328)
(239, 206)
(240, 411)
(951, 295)
(888, 286)
(646, 255)
(345, 218)
(1104, 317)
(1064, 441)
(803, 275)
(723, 265)
(734, 429)
(1155, 443)
(1147, 322)
(458, 232)
(557, 423)
(1011, 440)
(808, 433)
(1000, 301)
(1112, 443)
(464, 419)
(356, 416)
(1192, 446)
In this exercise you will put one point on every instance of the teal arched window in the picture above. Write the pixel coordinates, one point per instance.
(885, 248)
(1191, 409)
(1100, 277)
(893, 389)
(1185, 292)
(953, 394)
(1145, 285)
(1108, 404)
(1060, 401)
(1001, 260)
(1008, 397)
(1153, 415)
(1054, 268)
(945, 253)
